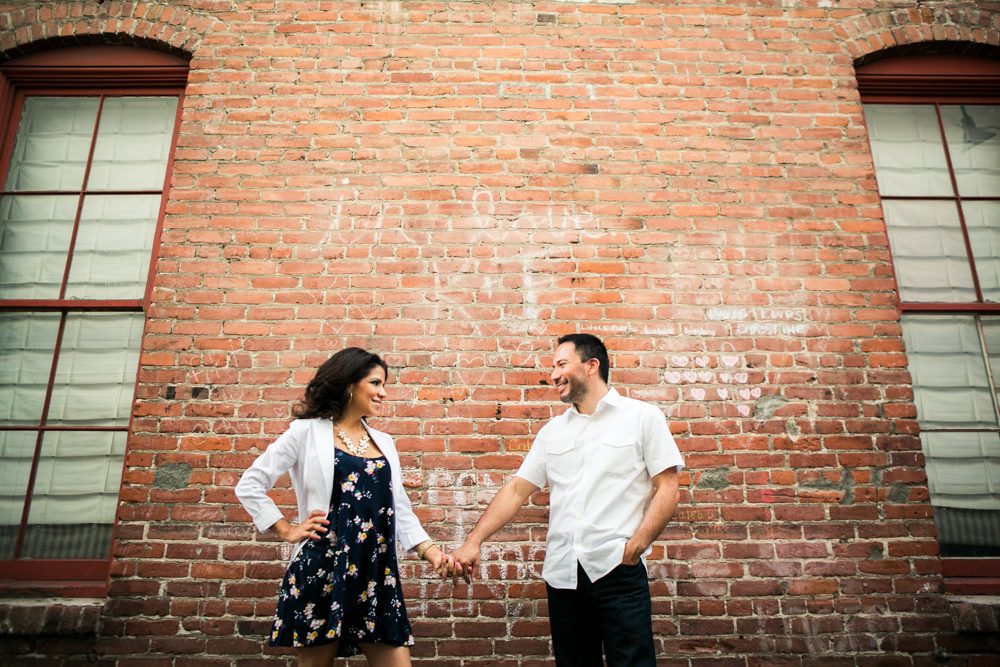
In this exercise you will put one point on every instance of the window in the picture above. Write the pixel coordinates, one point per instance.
(934, 127)
(85, 165)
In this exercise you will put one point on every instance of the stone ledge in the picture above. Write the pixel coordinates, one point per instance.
(975, 613)
(50, 616)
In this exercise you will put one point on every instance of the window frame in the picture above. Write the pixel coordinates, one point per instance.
(943, 79)
(96, 71)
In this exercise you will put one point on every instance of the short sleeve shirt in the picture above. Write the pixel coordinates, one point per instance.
(598, 469)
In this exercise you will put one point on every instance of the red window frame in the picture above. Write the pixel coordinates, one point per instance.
(93, 71)
(942, 79)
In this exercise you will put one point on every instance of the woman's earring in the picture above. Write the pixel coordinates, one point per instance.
(350, 396)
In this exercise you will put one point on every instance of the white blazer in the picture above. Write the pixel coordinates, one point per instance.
(306, 452)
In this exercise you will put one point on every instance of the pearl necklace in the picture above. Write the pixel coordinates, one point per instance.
(357, 448)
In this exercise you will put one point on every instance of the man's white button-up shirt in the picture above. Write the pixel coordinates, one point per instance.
(598, 469)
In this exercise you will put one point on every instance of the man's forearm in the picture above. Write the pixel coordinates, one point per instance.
(501, 510)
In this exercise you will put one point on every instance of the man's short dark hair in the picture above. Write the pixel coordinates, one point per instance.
(589, 346)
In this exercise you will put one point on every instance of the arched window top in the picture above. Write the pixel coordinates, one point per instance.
(933, 64)
(98, 55)
(96, 65)
(929, 75)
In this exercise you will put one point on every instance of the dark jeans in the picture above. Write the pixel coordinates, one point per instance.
(614, 612)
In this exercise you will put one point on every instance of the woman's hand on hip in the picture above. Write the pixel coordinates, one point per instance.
(312, 528)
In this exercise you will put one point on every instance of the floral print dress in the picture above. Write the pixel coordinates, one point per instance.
(345, 585)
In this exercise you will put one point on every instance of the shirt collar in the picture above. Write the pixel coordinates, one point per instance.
(611, 399)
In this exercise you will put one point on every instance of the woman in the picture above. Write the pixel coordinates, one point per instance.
(341, 594)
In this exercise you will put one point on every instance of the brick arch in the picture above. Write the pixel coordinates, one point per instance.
(155, 24)
(970, 29)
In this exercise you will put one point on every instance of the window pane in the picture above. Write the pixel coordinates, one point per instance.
(950, 385)
(133, 143)
(52, 143)
(113, 247)
(34, 238)
(968, 533)
(982, 218)
(16, 450)
(75, 495)
(963, 469)
(928, 251)
(991, 334)
(973, 133)
(907, 150)
(27, 342)
(95, 377)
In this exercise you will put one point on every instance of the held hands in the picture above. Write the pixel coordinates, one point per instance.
(466, 560)
(444, 564)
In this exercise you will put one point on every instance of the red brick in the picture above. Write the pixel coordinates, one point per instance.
(455, 187)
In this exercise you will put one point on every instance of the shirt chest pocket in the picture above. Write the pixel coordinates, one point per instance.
(616, 455)
(562, 459)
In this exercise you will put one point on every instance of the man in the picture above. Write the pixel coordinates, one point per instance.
(611, 465)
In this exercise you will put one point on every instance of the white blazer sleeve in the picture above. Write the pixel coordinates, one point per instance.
(260, 477)
(409, 532)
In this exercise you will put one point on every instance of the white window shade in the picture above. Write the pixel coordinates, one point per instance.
(95, 376)
(16, 450)
(937, 166)
(34, 238)
(112, 252)
(982, 218)
(78, 477)
(907, 149)
(963, 469)
(973, 133)
(929, 252)
(952, 391)
(27, 343)
(950, 384)
(133, 143)
(52, 144)
(79, 209)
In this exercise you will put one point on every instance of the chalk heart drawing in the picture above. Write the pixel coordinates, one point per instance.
(725, 377)
(745, 394)
(743, 410)
(690, 376)
(722, 393)
(673, 377)
(741, 377)
(698, 393)
(679, 361)
(705, 376)
(701, 361)
(729, 361)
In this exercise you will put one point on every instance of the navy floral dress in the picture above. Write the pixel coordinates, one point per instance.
(345, 585)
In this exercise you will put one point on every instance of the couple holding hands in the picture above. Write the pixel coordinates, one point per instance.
(611, 466)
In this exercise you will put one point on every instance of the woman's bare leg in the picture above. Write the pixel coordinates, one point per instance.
(317, 656)
(380, 655)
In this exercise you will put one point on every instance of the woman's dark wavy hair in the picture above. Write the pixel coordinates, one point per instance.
(329, 392)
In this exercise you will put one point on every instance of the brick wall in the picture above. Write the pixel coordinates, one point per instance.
(454, 185)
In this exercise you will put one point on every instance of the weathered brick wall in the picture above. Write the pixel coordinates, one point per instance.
(455, 184)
